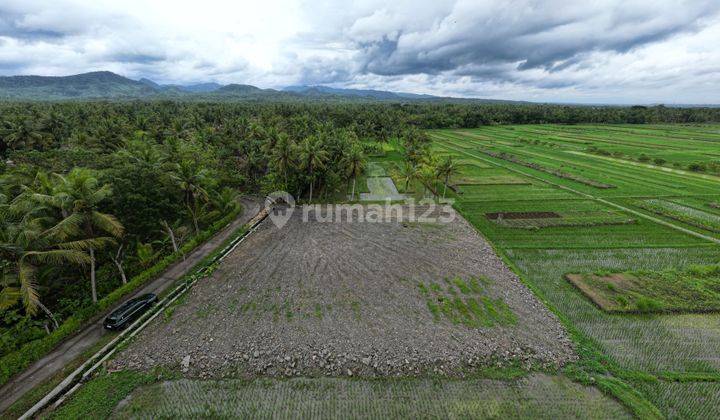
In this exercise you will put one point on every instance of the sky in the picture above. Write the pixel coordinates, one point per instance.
(591, 51)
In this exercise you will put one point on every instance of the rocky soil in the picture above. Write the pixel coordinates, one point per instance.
(342, 299)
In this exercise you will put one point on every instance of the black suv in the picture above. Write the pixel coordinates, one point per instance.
(129, 311)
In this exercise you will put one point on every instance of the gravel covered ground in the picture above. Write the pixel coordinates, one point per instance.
(353, 299)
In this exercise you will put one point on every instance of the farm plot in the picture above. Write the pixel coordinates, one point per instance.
(536, 396)
(685, 400)
(693, 290)
(629, 178)
(582, 223)
(493, 180)
(538, 220)
(344, 298)
(689, 215)
(556, 172)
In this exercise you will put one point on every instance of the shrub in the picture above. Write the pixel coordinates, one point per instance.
(646, 304)
(696, 167)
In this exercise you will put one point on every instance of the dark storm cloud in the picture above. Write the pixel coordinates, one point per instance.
(11, 25)
(135, 57)
(547, 35)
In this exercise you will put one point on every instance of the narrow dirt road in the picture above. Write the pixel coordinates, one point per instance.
(77, 344)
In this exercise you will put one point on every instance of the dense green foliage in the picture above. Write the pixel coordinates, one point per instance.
(92, 195)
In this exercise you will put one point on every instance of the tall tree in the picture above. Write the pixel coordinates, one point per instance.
(283, 156)
(445, 169)
(78, 196)
(313, 156)
(25, 246)
(354, 162)
(408, 173)
(190, 176)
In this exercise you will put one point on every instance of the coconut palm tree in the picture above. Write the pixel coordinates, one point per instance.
(312, 156)
(25, 246)
(408, 173)
(191, 178)
(24, 134)
(78, 196)
(427, 176)
(445, 169)
(354, 163)
(283, 156)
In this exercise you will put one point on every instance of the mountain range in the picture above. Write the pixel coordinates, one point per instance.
(105, 85)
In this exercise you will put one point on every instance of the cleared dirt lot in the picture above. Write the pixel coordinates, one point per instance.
(344, 298)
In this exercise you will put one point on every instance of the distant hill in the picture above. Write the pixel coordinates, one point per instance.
(242, 90)
(101, 84)
(196, 88)
(365, 93)
(111, 86)
(201, 87)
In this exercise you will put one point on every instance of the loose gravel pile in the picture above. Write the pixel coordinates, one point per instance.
(337, 299)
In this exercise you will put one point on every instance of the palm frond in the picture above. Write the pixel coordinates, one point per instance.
(86, 244)
(108, 223)
(9, 297)
(69, 226)
(28, 287)
(59, 256)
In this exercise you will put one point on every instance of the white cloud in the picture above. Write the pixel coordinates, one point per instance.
(629, 51)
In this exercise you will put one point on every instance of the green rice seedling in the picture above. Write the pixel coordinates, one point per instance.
(526, 396)
(461, 285)
(464, 307)
(474, 284)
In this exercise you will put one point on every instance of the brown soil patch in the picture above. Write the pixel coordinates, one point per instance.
(620, 281)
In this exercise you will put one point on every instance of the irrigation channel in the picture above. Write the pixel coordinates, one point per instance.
(79, 376)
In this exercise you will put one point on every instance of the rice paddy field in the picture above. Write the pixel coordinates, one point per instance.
(614, 198)
(327, 397)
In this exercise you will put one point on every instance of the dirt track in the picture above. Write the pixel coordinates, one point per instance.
(344, 299)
